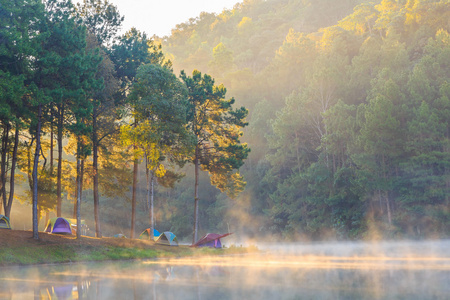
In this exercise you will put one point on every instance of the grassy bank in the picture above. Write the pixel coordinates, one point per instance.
(73, 253)
(19, 248)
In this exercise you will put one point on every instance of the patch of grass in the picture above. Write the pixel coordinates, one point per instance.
(79, 252)
(116, 253)
(8, 256)
(35, 255)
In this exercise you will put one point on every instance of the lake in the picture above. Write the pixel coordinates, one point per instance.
(388, 270)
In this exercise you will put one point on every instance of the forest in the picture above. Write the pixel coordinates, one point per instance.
(345, 106)
(83, 108)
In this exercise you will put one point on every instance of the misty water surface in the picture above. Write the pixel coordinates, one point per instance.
(408, 270)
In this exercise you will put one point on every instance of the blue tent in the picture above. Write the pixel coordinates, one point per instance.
(4, 222)
(167, 238)
(145, 235)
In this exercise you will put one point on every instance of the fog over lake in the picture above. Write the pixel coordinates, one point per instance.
(382, 270)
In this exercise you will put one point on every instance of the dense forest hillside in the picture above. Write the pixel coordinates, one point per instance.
(349, 115)
(277, 119)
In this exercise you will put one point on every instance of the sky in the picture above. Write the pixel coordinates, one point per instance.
(158, 17)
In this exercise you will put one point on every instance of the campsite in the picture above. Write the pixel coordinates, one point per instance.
(19, 249)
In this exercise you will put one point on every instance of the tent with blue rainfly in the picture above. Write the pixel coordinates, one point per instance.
(58, 225)
(145, 235)
(167, 238)
(211, 240)
(4, 222)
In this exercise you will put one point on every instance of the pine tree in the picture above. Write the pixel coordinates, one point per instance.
(217, 130)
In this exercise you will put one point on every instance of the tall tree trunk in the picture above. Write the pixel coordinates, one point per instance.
(446, 171)
(51, 143)
(1, 182)
(81, 195)
(59, 175)
(13, 172)
(3, 168)
(75, 205)
(196, 166)
(51, 158)
(149, 196)
(80, 169)
(98, 232)
(388, 207)
(79, 190)
(133, 197)
(386, 193)
(35, 178)
(52, 133)
(77, 195)
(152, 219)
(29, 169)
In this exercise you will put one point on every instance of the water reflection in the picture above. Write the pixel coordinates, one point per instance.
(301, 272)
(40, 283)
(68, 291)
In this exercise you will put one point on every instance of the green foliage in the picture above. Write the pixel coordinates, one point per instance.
(101, 18)
(159, 101)
(348, 108)
(133, 50)
(216, 127)
(348, 120)
(222, 60)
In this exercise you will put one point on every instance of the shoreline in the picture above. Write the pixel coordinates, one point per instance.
(18, 248)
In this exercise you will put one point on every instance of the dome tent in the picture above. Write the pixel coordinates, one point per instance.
(4, 222)
(145, 235)
(58, 225)
(210, 240)
(165, 238)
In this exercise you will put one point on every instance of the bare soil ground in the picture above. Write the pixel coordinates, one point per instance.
(20, 238)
